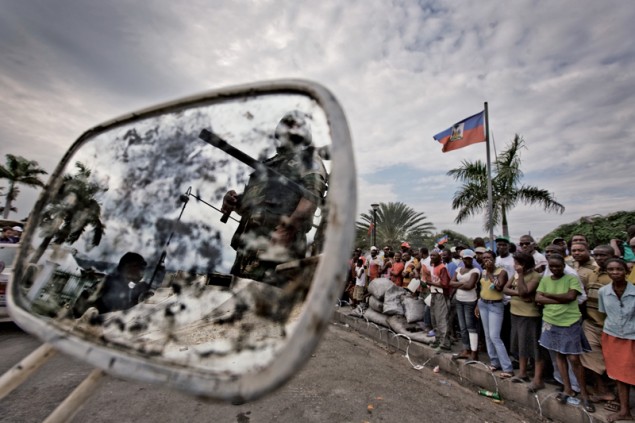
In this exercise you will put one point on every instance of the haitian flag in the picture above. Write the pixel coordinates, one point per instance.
(442, 240)
(466, 132)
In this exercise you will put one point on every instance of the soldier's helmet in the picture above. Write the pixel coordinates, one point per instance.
(293, 131)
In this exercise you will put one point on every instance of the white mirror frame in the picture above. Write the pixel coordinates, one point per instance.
(322, 297)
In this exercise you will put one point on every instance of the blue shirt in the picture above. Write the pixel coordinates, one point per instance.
(451, 266)
(620, 314)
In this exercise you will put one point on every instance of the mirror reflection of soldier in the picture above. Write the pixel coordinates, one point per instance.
(275, 217)
(123, 288)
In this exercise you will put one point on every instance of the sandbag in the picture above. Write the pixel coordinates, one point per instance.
(392, 301)
(379, 286)
(357, 312)
(398, 325)
(413, 309)
(376, 304)
(376, 317)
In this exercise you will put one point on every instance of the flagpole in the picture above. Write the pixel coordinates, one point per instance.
(489, 182)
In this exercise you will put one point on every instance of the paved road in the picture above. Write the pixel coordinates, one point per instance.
(349, 379)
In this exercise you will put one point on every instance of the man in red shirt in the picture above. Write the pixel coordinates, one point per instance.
(439, 283)
(374, 263)
(396, 270)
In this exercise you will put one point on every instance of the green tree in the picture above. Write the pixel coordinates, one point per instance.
(507, 191)
(597, 229)
(396, 222)
(73, 210)
(19, 170)
(454, 238)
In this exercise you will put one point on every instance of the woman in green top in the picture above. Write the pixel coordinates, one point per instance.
(526, 320)
(562, 328)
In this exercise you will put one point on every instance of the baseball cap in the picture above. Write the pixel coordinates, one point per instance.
(502, 239)
(480, 249)
(467, 253)
(17, 228)
(373, 248)
(405, 244)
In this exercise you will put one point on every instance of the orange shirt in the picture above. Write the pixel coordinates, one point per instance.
(396, 273)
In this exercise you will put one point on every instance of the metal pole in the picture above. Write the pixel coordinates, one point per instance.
(25, 368)
(375, 206)
(490, 206)
(71, 405)
(374, 227)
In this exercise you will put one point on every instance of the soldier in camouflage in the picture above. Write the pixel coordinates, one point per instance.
(275, 214)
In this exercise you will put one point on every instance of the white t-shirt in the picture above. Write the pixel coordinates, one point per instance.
(507, 263)
(360, 276)
(426, 261)
(540, 259)
(464, 295)
(369, 257)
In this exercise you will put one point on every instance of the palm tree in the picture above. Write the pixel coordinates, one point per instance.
(72, 211)
(396, 222)
(471, 198)
(13, 209)
(19, 170)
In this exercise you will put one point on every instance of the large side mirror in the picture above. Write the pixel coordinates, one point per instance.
(139, 260)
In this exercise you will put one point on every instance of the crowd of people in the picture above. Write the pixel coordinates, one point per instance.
(565, 314)
(10, 235)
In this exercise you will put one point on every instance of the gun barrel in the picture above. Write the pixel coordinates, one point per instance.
(213, 139)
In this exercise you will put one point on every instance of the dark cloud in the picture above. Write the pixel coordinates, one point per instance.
(557, 73)
(89, 44)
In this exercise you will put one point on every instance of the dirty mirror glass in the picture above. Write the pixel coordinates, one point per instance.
(190, 236)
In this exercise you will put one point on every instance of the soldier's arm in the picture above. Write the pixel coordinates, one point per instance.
(303, 212)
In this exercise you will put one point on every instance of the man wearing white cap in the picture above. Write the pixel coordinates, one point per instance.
(17, 232)
(9, 236)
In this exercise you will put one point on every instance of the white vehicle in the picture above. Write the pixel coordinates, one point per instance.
(236, 207)
(8, 253)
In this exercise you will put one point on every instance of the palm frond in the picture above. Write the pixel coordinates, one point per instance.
(533, 195)
(396, 222)
(471, 198)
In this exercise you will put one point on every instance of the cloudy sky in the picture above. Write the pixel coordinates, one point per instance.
(560, 73)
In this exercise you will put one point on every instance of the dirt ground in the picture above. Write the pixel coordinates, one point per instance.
(348, 379)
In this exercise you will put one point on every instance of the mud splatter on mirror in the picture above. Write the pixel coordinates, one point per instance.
(132, 250)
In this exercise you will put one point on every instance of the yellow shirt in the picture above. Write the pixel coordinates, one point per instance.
(525, 307)
(488, 292)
